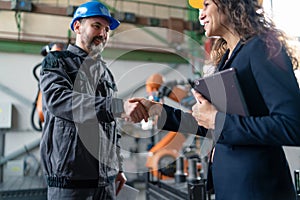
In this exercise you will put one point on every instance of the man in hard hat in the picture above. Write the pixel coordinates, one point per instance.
(80, 148)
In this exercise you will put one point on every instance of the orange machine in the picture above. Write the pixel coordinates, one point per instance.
(162, 156)
(39, 107)
(155, 84)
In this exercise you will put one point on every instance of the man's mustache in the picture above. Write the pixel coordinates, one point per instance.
(101, 39)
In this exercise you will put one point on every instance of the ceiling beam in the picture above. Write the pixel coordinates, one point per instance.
(148, 55)
(47, 9)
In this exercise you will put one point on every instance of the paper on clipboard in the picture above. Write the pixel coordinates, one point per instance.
(128, 193)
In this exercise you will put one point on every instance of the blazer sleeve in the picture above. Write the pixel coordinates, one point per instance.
(277, 84)
(173, 119)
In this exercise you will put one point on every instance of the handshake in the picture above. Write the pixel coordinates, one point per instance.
(138, 109)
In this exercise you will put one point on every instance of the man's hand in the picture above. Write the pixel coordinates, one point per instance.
(135, 111)
(204, 112)
(120, 181)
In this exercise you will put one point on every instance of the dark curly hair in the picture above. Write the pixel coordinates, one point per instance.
(248, 19)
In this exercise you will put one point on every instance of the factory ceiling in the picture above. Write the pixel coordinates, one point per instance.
(156, 25)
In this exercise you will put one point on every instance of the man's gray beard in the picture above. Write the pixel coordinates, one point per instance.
(97, 50)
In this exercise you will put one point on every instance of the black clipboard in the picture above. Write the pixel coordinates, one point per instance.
(222, 89)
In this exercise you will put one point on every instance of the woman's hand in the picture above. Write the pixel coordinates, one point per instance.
(204, 112)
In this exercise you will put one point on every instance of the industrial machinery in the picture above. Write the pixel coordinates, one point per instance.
(31, 185)
(176, 170)
(183, 187)
(37, 105)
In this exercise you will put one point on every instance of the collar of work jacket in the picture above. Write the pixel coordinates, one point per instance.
(77, 50)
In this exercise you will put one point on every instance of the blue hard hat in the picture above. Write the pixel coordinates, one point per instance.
(94, 9)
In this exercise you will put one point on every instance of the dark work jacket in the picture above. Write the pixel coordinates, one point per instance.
(79, 145)
(249, 162)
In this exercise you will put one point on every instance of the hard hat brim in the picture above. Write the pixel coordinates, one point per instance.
(113, 23)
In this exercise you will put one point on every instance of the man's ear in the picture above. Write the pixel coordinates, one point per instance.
(76, 26)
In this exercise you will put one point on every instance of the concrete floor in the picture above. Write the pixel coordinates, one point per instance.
(142, 191)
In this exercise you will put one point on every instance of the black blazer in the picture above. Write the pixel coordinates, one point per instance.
(249, 162)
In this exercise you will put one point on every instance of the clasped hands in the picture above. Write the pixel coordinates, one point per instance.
(138, 109)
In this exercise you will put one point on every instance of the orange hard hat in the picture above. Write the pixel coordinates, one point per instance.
(196, 3)
(199, 3)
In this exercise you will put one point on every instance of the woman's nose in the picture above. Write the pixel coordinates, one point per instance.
(201, 16)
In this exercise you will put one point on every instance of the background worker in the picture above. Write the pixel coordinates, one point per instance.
(249, 162)
(80, 143)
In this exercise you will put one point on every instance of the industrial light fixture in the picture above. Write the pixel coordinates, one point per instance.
(21, 5)
(125, 17)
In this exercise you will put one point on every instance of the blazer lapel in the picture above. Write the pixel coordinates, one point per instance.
(225, 61)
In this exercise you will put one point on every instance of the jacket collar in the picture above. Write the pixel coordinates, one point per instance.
(225, 61)
(77, 50)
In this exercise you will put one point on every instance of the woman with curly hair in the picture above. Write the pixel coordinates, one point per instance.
(248, 162)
